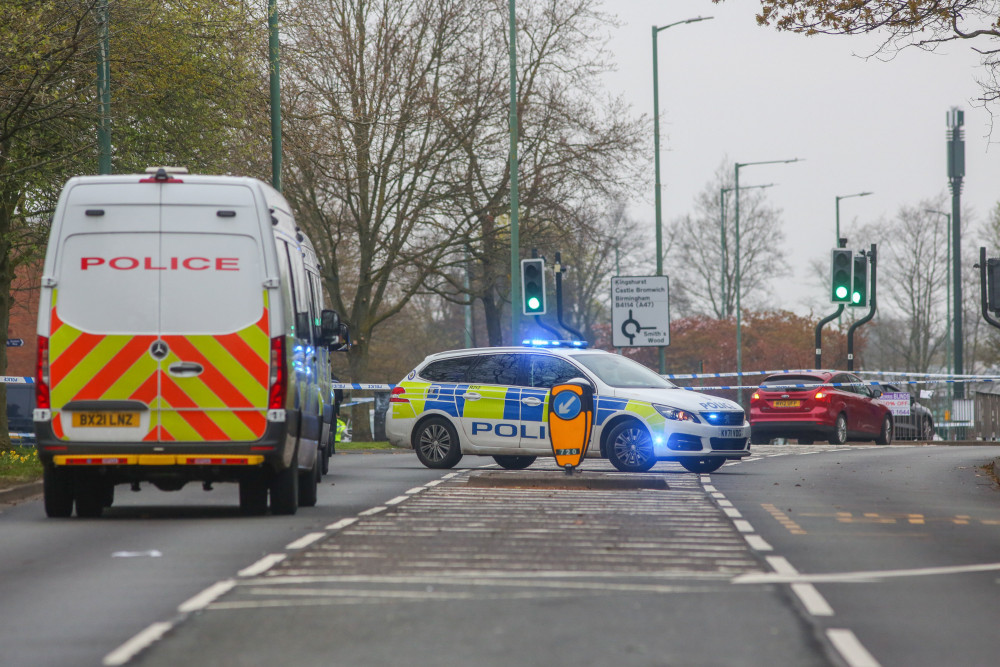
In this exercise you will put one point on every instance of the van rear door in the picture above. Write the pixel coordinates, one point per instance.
(159, 322)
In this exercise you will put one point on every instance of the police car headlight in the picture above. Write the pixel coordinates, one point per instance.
(676, 414)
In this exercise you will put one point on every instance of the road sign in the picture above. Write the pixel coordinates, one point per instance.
(15, 342)
(571, 416)
(640, 311)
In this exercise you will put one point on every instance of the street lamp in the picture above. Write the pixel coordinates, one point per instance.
(947, 277)
(656, 154)
(739, 329)
(722, 228)
(836, 241)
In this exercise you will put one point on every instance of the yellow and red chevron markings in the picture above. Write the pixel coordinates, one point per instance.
(227, 401)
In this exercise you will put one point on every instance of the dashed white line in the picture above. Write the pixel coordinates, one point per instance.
(743, 526)
(781, 565)
(396, 500)
(305, 541)
(261, 566)
(373, 510)
(850, 649)
(343, 523)
(758, 543)
(732, 512)
(416, 489)
(814, 603)
(136, 644)
(207, 596)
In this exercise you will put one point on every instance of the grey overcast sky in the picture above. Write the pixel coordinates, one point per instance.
(730, 89)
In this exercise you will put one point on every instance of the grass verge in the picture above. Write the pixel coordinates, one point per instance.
(356, 446)
(19, 465)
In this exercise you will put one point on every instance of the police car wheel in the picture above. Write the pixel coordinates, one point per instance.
(630, 449)
(514, 462)
(703, 465)
(436, 444)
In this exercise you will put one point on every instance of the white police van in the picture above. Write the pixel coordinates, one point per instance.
(181, 337)
(493, 402)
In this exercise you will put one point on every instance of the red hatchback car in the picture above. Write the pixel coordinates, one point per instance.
(811, 413)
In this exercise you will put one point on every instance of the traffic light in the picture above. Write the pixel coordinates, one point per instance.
(859, 293)
(533, 286)
(841, 274)
(993, 284)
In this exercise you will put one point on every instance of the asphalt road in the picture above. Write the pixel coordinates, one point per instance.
(72, 590)
(800, 555)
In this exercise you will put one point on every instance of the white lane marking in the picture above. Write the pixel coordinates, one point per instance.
(151, 553)
(396, 500)
(261, 566)
(305, 541)
(417, 489)
(860, 577)
(343, 523)
(850, 649)
(450, 475)
(781, 565)
(717, 494)
(136, 644)
(709, 488)
(758, 543)
(434, 483)
(743, 526)
(723, 502)
(373, 510)
(706, 479)
(811, 599)
(207, 596)
(732, 512)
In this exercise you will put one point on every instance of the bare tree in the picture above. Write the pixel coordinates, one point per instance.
(702, 247)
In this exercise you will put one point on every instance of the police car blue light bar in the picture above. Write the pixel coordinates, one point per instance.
(537, 342)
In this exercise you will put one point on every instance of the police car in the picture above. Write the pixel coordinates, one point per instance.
(493, 402)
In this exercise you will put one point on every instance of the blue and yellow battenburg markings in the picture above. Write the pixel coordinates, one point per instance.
(449, 399)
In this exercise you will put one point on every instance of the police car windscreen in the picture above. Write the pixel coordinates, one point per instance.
(618, 371)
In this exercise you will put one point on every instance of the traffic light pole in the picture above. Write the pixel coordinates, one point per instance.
(819, 335)
(558, 270)
(873, 258)
(982, 283)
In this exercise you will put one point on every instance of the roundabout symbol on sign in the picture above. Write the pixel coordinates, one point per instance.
(631, 327)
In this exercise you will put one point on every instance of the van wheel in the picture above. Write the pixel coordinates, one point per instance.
(436, 444)
(285, 490)
(253, 493)
(57, 485)
(90, 495)
(309, 482)
(702, 466)
(630, 449)
(514, 462)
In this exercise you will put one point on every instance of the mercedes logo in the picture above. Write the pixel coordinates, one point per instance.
(159, 350)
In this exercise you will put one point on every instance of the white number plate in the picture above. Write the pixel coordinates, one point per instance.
(734, 433)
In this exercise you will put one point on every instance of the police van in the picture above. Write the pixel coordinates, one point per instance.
(494, 402)
(181, 337)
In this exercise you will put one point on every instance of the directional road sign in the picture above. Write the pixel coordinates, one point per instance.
(640, 311)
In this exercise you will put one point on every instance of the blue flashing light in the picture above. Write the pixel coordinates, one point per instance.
(538, 342)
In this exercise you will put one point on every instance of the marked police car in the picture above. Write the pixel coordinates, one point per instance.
(493, 402)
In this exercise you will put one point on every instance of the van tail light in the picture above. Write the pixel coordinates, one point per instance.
(42, 398)
(279, 375)
(398, 395)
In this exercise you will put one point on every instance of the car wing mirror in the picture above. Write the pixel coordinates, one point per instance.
(876, 393)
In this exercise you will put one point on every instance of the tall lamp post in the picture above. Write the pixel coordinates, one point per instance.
(656, 155)
(739, 327)
(724, 310)
(836, 241)
(947, 278)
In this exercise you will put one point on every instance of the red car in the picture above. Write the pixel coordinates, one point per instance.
(810, 413)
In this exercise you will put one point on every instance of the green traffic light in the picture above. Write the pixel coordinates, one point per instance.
(841, 291)
(856, 297)
(534, 303)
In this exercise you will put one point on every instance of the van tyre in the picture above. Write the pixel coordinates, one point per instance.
(90, 495)
(436, 444)
(885, 435)
(57, 486)
(285, 489)
(309, 483)
(514, 462)
(630, 449)
(253, 493)
(702, 466)
(839, 435)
